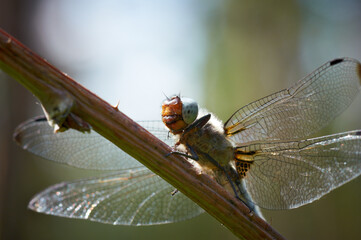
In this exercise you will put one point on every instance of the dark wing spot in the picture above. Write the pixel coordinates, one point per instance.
(336, 61)
(359, 71)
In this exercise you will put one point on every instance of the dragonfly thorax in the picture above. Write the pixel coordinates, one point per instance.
(209, 139)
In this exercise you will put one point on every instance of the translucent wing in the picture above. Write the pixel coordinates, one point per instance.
(290, 174)
(83, 150)
(136, 197)
(301, 110)
(133, 196)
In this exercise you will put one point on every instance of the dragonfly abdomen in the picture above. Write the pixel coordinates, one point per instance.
(243, 161)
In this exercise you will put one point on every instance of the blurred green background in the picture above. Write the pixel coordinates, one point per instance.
(224, 54)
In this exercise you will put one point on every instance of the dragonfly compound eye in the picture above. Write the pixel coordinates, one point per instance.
(189, 110)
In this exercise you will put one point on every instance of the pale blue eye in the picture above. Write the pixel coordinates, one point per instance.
(189, 110)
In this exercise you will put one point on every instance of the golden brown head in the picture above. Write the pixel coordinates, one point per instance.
(178, 113)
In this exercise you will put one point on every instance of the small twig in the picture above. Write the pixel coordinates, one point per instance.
(60, 95)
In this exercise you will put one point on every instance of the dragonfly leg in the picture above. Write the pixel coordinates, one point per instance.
(247, 199)
(242, 190)
(197, 124)
(193, 155)
(226, 173)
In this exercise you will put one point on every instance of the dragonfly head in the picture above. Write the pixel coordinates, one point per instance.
(178, 113)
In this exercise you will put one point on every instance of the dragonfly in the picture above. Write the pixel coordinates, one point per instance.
(262, 151)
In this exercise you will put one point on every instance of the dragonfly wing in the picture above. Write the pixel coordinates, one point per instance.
(301, 110)
(137, 197)
(83, 150)
(290, 174)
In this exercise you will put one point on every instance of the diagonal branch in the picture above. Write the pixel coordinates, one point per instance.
(62, 98)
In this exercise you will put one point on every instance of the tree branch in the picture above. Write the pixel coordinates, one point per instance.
(61, 96)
